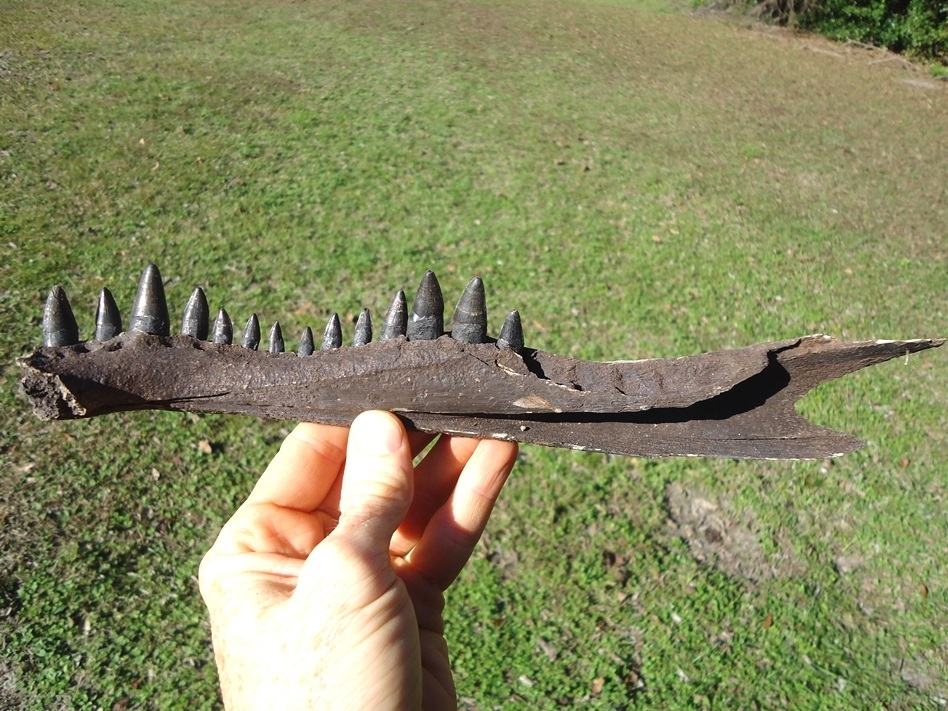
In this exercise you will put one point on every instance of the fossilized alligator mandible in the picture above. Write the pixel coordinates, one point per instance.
(735, 403)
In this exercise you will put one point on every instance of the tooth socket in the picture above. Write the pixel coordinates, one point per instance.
(108, 320)
(363, 330)
(276, 338)
(511, 333)
(396, 320)
(332, 336)
(426, 320)
(469, 323)
(251, 337)
(150, 309)
(306, 342)
(59, 323)
(194, 323)
(223, 329)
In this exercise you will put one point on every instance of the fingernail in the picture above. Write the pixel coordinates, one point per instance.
(376, 435)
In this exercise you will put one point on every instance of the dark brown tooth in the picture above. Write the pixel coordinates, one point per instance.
(251, 337)
(469, 323)
(59, 323)
(150, 309)
(276, 338)
(194, 323)
(511, 333)
(363, 332)
(396, 320)
(332, 336)
(426, 320)
(306, 342)
(223, 329)
(108, 320)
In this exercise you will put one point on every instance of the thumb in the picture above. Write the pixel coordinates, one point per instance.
(377, 481)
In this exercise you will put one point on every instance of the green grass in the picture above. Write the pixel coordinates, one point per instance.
(637, 183)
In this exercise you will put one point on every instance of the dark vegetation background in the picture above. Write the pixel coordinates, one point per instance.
(916, 27)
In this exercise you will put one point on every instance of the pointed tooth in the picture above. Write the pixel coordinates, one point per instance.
(332, 336)
(276, 338)
(194, 323)
(363, 332)
(251, 337)
(223, 329)
(469, 323)
(108, 320)
(59, 323)
(426, 320)
(150, 309)
(396, 320)
(306, 342)
(511, 334)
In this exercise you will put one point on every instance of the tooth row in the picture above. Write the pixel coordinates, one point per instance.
(425, 322)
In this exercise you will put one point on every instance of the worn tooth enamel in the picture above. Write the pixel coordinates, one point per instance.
(332, 336)
(306, 342)
(251, 337)
(469, 323)
(150, 309)
(59, 323)
(108, 320)
(223, 329)
(426, 320)
(511, 333)
(276, 338)
(363, 332)
(396, 320)
(194, 323)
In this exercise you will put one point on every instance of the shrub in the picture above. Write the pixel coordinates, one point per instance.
(919, 27)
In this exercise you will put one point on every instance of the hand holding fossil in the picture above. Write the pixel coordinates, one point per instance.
(325, 589)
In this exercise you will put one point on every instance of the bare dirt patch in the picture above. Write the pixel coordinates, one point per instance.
(720, 537)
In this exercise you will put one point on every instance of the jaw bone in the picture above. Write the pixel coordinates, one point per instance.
(734, 403)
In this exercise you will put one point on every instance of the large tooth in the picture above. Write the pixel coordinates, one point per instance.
(276, 338)
(108, 320)
(150, 309)
(59, 323)
(223, 329)
(396, 320)
(363, 332)
(426, 321)
(306, 342)
(469, 323)
(194, 323)
(332, 336)
(511, 333)
(251, 337)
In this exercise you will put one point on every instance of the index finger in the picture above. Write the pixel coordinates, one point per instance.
(304, 470)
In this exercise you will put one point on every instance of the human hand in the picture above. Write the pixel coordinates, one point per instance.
(325, 589)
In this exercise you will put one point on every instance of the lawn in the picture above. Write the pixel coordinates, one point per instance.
(637, 181)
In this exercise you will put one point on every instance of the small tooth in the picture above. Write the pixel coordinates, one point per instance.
(363, 334)
(150, 309)
(194, 323)
(59, 323)
(108, 320)
(511, 333)
(426, 321)
(306, 342)
(396, 320)
(276, 338)
(332, 336)
(469, 323)
(251, 338)
(223, 329)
